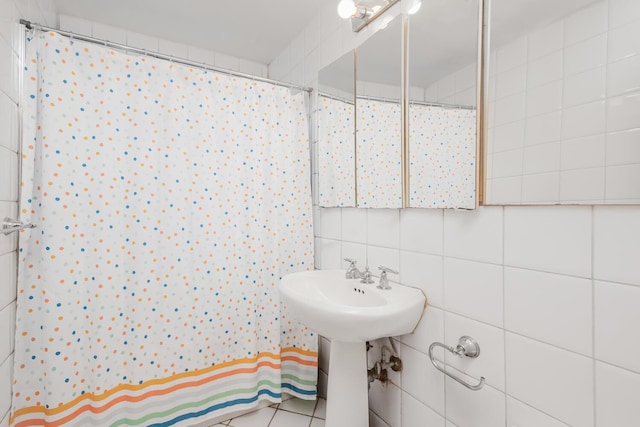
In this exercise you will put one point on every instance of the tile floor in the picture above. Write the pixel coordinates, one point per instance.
(290, 413)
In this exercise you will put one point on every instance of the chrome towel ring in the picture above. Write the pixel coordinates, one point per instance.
(468, 347)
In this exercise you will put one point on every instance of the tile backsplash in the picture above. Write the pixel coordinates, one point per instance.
(549, 292)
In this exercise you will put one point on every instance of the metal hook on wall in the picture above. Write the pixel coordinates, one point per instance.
(9, 225)
(468, 347)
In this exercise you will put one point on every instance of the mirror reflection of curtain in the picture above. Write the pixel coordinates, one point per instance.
(336, 152)
(378, 149)
(442, 157)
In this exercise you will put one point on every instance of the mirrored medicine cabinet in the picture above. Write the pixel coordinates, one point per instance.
(563, 104)
(400, 130)
(556, 119)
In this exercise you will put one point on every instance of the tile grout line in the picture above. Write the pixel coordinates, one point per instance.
(504, 320)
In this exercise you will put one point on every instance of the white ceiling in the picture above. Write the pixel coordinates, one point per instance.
(257, 30)
(443, 39)
(443, 32)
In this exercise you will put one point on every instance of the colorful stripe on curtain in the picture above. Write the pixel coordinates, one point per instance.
(221, 389)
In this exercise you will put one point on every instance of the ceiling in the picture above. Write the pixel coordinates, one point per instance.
(257, 30)
(443, 39)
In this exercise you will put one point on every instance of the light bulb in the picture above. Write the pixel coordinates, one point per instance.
(346, 9)
(415, 8)
(375, 9)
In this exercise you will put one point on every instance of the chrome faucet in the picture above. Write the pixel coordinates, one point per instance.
(366, 276)
(353, 272)
(384, 281)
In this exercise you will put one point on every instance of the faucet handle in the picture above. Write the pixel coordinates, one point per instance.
(352, 272)
(387, 270)
(384, 282)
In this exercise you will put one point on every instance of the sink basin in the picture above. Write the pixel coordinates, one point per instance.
(347, 310)
(349, 313)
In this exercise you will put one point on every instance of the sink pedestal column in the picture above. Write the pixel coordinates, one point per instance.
(347, 394)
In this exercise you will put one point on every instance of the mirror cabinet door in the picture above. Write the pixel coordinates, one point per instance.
(443, 53)
(379, 118)
(336, 133)
(564, 103)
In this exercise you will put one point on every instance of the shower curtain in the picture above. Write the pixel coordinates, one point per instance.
(169, 202)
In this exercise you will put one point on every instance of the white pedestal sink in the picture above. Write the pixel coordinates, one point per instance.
(349, 313)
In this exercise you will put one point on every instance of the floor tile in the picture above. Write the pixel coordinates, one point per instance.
(259, 418)
(317, 422)
(299, 406)
(286, 397)
(288, 419)
(321, 409)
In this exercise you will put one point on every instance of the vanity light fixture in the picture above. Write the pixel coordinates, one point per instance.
(363, 12)
(415, 7)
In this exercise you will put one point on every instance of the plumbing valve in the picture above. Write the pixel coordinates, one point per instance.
(395, 363)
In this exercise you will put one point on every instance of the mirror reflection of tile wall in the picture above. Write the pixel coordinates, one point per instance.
(564, 111)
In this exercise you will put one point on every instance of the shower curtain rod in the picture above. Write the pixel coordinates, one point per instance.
(336, 98)
(445, 106)
(393, 101)
(32, 25)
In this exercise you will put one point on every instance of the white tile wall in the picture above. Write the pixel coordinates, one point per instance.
(423, 271)
(415, 414)
(537, 347)
(354, 225)
(473, 289)
(421, 381)
(545, 41)
(553, 239)
(616, 396)
(616, 244)
(586, 23)
(582, 80)
(10, 12)
(474, 408)
(564, 320)
(474, 235)
(522, 415)
(383, 227)
(556, 381)
(508, 137)
(421, 230)
(624, 42)
(616, 318)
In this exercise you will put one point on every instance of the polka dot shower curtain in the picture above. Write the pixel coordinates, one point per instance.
(169, 202)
